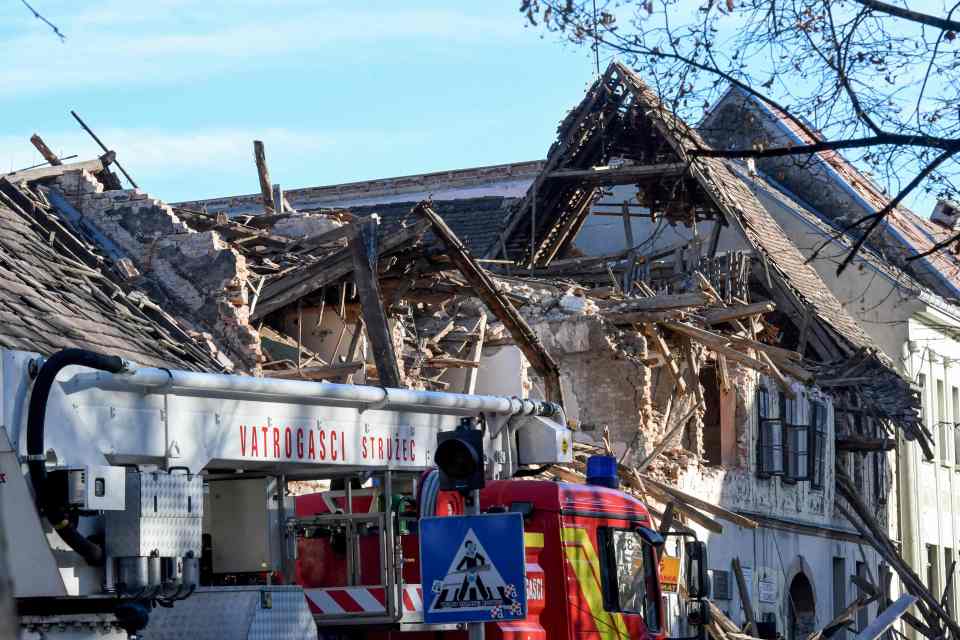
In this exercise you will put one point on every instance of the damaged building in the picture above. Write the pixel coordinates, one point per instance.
(658, 295)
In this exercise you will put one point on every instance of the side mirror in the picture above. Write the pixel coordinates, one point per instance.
(695, 569)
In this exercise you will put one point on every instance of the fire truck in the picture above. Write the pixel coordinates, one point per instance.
(143, 502)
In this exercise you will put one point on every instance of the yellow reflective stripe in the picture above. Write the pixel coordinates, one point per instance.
(585, 563)
(533, 539)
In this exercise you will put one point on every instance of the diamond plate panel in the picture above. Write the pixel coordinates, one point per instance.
(164, 514)
(238, 613)
(288, 618)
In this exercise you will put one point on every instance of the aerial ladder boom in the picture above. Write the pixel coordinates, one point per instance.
(122, 460)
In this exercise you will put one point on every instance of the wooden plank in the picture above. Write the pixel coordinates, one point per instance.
(661, 347)
(41, 173)
(934, 614)
(720, 512)
(744, 597)
(664, 302)
(316, 373)
(641, 317)
(723, 372)
(736, 312)
(694, 368)
(263, 172)
(776, 375)
(365, 275)
(306, 280)
(627, 174)
(476, 353)
(528, 342)
(665, 441)
(886, 619)
(701, 519)
(45, 151)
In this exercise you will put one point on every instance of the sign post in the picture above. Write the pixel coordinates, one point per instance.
(473, 570)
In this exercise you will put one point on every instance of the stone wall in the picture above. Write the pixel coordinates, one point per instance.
(196, 273)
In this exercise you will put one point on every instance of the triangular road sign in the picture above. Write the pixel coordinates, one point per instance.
(472, 582)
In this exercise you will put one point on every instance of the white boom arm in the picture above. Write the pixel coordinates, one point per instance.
(204, 421)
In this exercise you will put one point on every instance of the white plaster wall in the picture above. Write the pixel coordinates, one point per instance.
(932, 500)
(775, 553)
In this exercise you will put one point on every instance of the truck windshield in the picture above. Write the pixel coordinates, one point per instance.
(629, 575)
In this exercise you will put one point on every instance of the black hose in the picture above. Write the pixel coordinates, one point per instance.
(55, 511)
(535, 471)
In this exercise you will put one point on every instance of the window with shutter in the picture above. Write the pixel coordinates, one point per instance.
(769, 437)
(818, 443)
(797, 429)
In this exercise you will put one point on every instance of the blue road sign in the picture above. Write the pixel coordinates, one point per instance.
(473, 568)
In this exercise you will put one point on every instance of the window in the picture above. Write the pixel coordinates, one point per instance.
(922, 383)
(862, 613)
(628, 575)
(818, 443)
(839, 590)
(712, 427)
(932, 582)
(955, 403)
(949, 578)
(796, 460)
(770, 437)
(944, 428)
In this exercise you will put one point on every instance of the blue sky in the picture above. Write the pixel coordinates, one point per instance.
(338, 91)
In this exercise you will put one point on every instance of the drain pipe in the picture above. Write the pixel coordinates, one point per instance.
(55, 511)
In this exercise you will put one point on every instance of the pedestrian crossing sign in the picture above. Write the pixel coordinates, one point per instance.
(473, 568)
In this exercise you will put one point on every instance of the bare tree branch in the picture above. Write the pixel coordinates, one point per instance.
(37, 15)
(828, 145)
(913, 16)
(879, 216)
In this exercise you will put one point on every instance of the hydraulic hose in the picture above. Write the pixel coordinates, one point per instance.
(55, 511)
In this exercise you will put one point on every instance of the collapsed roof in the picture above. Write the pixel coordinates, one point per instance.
(61, 291)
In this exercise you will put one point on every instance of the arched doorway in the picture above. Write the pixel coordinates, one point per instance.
(801, 608)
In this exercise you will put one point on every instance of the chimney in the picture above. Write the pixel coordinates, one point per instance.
(946, 214)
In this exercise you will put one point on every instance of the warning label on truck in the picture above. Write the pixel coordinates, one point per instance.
(462, 580)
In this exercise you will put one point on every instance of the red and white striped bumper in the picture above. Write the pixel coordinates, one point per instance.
(344, 601)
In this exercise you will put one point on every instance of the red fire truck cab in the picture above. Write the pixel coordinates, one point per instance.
(592, 567)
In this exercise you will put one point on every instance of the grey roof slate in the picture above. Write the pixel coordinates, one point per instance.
(476, 221)
(52, 300)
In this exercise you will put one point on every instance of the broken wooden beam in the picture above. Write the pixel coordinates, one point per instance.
(627, 174)
(720, 512)
(300, 282)
(886, 618)
(640, 317)
(660, 345)
(528, 342)
(316, 373)
(106, 152)
(664, 302)
(928, 604)
(266, 187)
(745, 600)
(45, 151)
(736, 312)
(475, 354)
(365, 274)
(42, 173)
